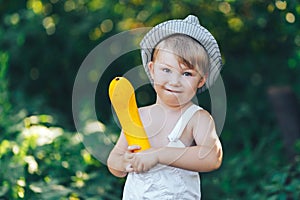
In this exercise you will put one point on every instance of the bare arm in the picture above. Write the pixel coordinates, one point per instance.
(190, 158)
(205, 156)
(119, 158)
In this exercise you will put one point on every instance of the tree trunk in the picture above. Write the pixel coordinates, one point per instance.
(287, 112)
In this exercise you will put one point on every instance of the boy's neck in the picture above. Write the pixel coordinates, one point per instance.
(173, 108)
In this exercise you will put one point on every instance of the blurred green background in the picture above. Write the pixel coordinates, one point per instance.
(44, 42)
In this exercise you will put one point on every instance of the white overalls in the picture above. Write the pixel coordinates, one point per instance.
(165, 182)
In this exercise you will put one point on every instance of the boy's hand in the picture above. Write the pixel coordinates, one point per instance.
(129, 157)
(144, 161)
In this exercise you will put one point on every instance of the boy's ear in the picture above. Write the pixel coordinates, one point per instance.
(151, 68)
(202, 81)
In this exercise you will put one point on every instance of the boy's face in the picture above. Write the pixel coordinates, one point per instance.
(174, 83)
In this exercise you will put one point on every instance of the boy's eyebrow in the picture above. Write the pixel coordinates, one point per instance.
(165, 64)
(182, 66)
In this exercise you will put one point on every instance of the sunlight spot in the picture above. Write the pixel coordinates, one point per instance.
(126, 24)
(69, 5)
(21, 182)
(65, 164)
(49, 25)
(79, 174)
(42, 134)
(74, 198)
(35, 189)
(46, 118)
(236, 24)
(137, 2)
(15, 18)
(100, 190)
(95, 34)
(290, 17)
(41, 155)
(79, 183)
(15, 149)
(47, 179)
(96, 4)
(80, 178)
(4, 147)
(36, 6)
(82, 175)
(106, 26)
(281, 5)
(270, 8)
(93, 127)
(143, 15)
(114, 138)
(225, 7)
(33, 119)
(57, 156)
(76, 139)
(86, 156)
(119, 8)
(32, 164)
(21, 192)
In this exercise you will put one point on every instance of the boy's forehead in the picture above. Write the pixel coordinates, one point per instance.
(168, 57)
(165, 51)
(168, 52)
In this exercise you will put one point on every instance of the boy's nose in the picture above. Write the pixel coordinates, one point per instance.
(175, 79)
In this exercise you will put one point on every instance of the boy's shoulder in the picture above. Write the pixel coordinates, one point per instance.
(202, 115)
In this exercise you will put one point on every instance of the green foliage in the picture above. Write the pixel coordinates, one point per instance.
(43, 43)
(5, 105)
(47, 162)
(284, 183)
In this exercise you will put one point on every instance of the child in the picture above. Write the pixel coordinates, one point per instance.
(180, 57)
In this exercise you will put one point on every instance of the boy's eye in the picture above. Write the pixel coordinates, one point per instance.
(166, 70)
(187, 74)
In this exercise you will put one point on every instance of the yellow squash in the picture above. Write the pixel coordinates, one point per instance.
(122, 97)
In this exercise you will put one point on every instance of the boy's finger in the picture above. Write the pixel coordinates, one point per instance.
(129, 155)
(129, 168)
(133, 147)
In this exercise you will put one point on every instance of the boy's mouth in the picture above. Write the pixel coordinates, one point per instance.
(172, 91)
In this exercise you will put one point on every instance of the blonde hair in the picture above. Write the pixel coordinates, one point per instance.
(189, 52)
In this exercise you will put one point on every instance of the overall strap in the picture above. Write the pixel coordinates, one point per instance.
(182, 122)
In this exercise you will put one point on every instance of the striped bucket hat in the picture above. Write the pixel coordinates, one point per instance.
(189, 26)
